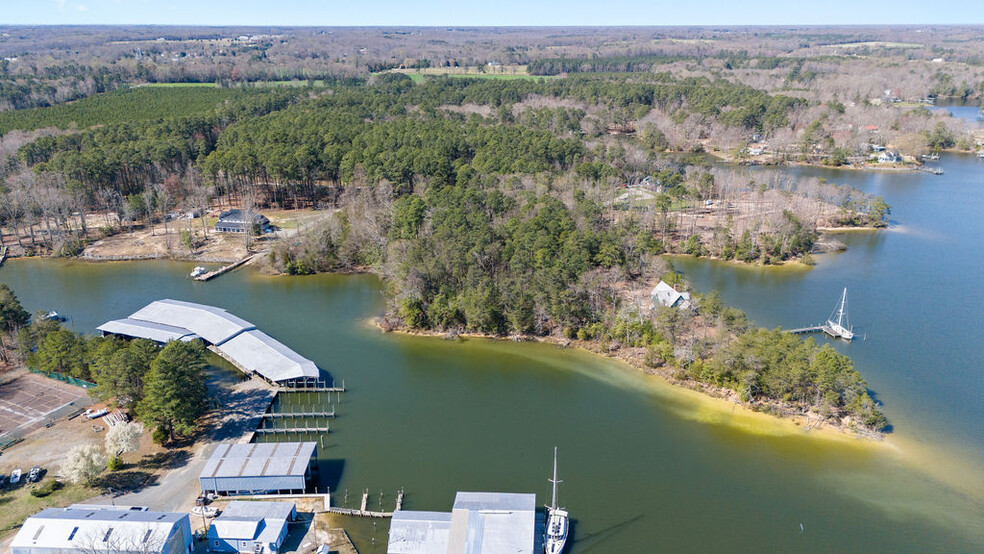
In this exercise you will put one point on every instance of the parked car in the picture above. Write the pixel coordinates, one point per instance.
(15, 476)
(3, 480)
(35, 475)
(206, 511)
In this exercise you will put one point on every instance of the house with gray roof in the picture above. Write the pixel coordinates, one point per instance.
(83, 529)
(667, 296)
(258, 527)
(238, 221)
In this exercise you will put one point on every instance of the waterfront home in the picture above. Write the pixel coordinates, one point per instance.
(237, 221)
(479, 523)
(888, 156)
(251, 527)
(258, 468)
(86, 529)
(665, 295)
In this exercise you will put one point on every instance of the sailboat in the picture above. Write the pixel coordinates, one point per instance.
(557, 520)
(838, 324)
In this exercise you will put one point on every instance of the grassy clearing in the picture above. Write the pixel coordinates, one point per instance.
(876, 44)
(177, 85)
(17, 505)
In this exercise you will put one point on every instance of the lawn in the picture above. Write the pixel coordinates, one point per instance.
(17, 504)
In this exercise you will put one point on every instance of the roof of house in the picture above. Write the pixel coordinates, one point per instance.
(265, 459)
(235, 338)
(103, 528)
(667, 296)
(239, 216)
(479, 523)
(257, 521)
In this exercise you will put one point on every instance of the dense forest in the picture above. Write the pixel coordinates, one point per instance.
(528, 207)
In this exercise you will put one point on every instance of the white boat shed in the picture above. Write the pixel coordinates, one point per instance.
(103, 530)
(235, 339)
(258, 468)
(479, 523)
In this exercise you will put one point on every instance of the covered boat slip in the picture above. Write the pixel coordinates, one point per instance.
(235, 339)
(257, 468)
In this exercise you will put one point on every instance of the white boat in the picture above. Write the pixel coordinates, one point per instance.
(15, 476)
(558, 522)
(199, 270)
(837, 324)
(54, 316)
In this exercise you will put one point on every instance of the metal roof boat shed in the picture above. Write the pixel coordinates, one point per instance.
(103, 530)
(258, 468)
(251, 527)
(233, 338)
(479, 523)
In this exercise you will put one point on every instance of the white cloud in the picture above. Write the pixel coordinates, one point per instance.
(82, 8)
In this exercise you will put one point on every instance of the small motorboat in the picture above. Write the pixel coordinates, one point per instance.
(53, 316)
(198, 271)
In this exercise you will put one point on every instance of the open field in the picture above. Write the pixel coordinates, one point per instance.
(876, 44)
(26, 400)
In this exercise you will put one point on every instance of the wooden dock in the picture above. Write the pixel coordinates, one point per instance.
(282, 415)
(222, 271)
(311, 386)
(289, 430)
(363, 509)
(3, 254)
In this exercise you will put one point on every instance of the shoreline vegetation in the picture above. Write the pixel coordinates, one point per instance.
(805, 420)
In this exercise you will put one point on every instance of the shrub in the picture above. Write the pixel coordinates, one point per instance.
(115, 464)
(46, 488)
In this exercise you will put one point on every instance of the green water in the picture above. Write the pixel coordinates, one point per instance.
(645, 467)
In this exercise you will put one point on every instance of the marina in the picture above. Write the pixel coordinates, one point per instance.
(426, 401)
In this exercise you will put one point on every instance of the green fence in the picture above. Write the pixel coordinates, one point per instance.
(65, 379)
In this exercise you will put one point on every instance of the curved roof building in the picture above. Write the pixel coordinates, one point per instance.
(235, 339)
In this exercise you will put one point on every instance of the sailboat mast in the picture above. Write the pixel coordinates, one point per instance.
(840, 313)
(553, 502)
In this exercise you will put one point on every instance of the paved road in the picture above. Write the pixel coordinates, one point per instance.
(176, 490)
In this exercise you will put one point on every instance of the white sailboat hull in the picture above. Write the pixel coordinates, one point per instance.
(558, 525)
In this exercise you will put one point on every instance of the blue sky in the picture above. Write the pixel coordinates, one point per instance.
(490, 12)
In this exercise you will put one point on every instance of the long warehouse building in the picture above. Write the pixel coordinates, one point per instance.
(258, 468)
(233, 338)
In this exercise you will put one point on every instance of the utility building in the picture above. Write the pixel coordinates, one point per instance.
(103, 530)
(479, 523)
(256, 527)
(233, 338)
(259, 468)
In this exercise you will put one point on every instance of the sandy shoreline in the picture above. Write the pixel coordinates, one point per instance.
(726, 399)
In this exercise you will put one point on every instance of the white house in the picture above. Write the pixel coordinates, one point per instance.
(665, 295)
(258, 527)
(888, 156)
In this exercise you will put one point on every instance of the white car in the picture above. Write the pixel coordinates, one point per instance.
(15, 476)
(206, 511)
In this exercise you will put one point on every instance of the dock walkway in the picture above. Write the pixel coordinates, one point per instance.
(3, 254)
(223, 270)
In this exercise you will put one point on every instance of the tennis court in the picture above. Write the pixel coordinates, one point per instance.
(27, 401)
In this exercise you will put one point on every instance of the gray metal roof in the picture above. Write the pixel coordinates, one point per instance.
(257, 521)
(479, 523)
(419, 532)
(258, 352)
(147, 330)
(212, 324)
(265, 459)
(236, 339)
(81, 528)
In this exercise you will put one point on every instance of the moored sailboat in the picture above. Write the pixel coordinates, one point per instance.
(558, 523)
